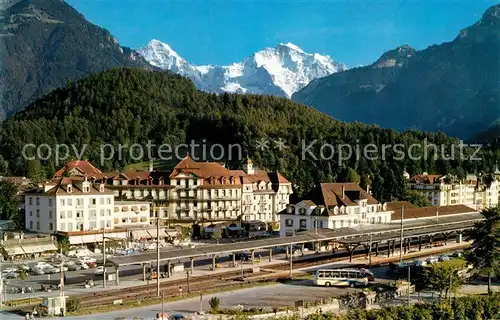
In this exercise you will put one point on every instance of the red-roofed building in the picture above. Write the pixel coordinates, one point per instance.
(209, 190)
(77, 168)
(196, 190)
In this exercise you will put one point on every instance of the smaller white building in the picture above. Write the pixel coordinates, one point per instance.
(128, 213)
(69, 205)
(333, 206)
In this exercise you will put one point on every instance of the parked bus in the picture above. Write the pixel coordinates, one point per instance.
(340, 277)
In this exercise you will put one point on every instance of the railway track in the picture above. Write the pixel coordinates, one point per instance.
(226, 280)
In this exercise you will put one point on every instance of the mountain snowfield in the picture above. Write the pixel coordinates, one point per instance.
(282, 70)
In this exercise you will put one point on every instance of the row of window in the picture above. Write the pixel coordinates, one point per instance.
(69, 202)
(336, 223)
(69, 227)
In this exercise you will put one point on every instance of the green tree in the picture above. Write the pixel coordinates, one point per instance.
(23, 275)
(441, 279)
(352, 176)
(9, 204)
(184, 233)
(484, 252)
(63, 243)
(214, 303)
(216, 235)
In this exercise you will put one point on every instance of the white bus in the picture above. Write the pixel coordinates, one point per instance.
(340, 277)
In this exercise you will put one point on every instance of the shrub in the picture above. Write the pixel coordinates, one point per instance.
(214, 303)
(72, 304)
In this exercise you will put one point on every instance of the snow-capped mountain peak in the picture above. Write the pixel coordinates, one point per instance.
(292, 46)
(281, 70)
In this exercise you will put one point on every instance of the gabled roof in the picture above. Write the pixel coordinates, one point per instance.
(426, 178)
(60, 187)
(342, 194)
(85, 168)
(213, 172)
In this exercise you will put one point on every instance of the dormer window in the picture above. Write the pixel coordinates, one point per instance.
(222, 180)
(69, 188)
(85, 187)
(101, 187)
(289, 210)
(302, 210)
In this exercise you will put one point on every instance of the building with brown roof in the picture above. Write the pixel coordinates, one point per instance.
(333, 205)
(196, 190)
(446, 190)
(208, 190)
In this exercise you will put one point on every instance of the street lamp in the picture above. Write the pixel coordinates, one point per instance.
(187, 279)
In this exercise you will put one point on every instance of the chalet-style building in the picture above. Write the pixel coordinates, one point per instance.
(333, 206)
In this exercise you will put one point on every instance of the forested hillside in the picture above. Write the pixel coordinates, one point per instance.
(46, 43)
(126, 106)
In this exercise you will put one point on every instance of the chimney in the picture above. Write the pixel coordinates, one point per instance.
(150, 166)
(343, 191)
(368, 188)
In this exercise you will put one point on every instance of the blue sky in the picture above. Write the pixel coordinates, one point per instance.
(224, 31)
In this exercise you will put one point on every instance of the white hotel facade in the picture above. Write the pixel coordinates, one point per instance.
(69, 205)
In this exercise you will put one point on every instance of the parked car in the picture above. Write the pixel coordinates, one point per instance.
(9, 270)
(37, 271)
(432, 260)
(82, 264)
(444, 258)
(88, 259)
(11, 275)
(177, 317)
(100, 271)
(243, 256)
(50, 269)
(368, 274)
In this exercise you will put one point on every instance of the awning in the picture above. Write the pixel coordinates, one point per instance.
(39, 247)
(28, 248)
(13, 251)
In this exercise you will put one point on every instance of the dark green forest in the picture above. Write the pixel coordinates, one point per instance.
(127, 106)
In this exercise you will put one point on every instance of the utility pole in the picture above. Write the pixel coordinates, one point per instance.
(104, 255)
(370, 251)
(162, 305)
(401, 242)
(1, 286)
(449, 289)
(158, 255)
(241, 264)
(291, 261)
(187, 278)
(409, 285)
